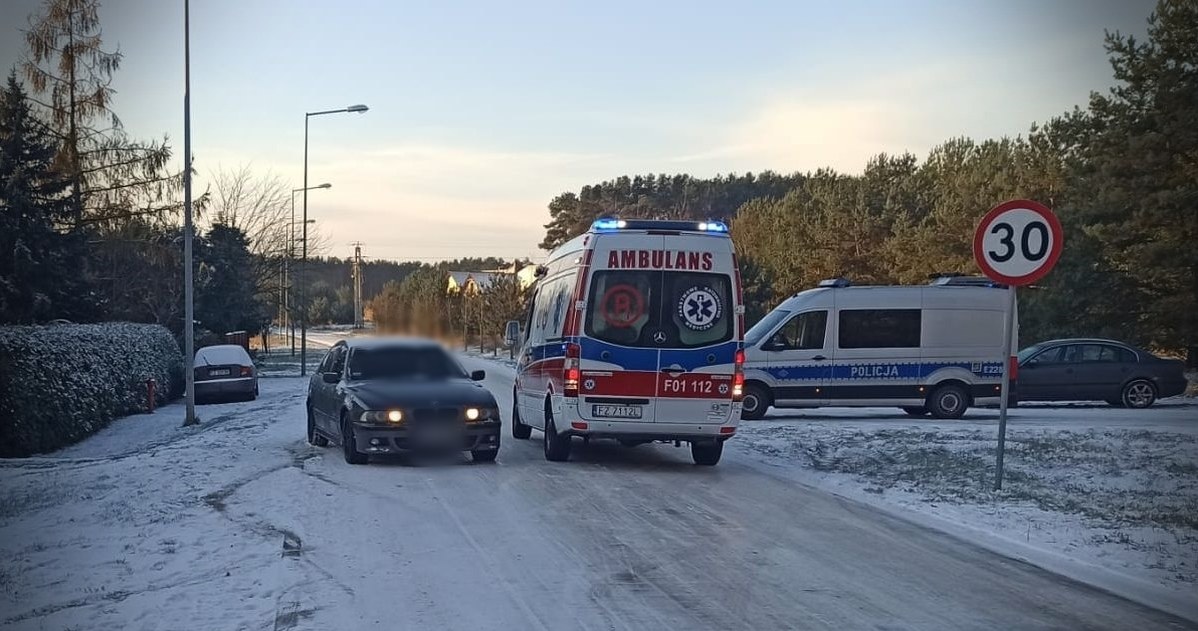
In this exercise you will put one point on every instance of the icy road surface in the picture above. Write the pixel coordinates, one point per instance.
(239, 524)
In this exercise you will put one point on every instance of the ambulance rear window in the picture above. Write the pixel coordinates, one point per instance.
(660, 309)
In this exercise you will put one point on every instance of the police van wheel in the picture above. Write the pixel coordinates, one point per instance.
(707, 454)
(754, 403)
(557, 446)
(519, 429)
(915, 410)
(948, 402)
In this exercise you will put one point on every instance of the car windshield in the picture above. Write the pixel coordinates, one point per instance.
(764, 326)
(398, 362)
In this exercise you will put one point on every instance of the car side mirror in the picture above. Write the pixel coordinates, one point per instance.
(478, 375)
(330, 377)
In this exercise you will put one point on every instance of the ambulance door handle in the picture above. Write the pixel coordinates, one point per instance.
(818, 358)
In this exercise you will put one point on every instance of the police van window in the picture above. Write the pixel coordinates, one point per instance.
(879, 328)
(764, 326)
(805, 332)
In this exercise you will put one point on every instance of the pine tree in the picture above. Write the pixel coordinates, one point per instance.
(38, 261)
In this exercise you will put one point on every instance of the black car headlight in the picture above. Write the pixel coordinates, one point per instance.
(384, 417)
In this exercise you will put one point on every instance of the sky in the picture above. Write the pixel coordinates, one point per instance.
(482, 112)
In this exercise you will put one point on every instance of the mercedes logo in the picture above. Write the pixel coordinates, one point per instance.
(659, 337)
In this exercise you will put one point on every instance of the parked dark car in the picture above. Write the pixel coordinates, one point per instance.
(1097, 370)
(225, 372)
(387, 395)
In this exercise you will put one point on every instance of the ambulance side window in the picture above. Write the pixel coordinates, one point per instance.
(559, 296)
(526, 334)
(540, 315)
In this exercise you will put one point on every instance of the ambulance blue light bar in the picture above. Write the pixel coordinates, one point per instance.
(608, 223)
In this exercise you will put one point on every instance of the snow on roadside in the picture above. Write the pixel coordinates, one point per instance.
(1120, 506)
(124, 530)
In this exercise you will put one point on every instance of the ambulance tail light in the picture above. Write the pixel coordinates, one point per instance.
(738, 376)
(572, 370)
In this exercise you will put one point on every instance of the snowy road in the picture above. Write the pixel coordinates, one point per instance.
(239, 524)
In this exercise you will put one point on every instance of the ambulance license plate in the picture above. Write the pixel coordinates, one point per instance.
(616, 411)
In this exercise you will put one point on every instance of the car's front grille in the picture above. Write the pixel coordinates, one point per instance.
(435, 415)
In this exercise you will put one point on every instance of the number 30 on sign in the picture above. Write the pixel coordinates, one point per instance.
(1018, 242)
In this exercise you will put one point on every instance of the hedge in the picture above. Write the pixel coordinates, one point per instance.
(60, 383)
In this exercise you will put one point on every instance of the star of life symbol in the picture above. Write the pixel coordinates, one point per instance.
(589, 384)
(699, 308)
(723, 388)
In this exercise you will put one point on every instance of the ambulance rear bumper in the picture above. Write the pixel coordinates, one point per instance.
(646, 431)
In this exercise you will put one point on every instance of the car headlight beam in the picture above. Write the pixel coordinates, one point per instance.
(473, 414)
(395, 416)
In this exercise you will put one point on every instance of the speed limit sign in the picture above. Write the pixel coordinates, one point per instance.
(1018, 242)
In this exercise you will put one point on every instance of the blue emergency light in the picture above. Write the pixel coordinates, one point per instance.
(611, 223)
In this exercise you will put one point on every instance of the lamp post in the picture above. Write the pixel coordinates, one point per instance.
(358, 109)
(189, 342)
(291, 256)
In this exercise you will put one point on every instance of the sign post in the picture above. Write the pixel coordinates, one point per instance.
(1016, 243)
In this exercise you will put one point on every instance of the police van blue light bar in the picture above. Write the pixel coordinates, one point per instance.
(609, 223)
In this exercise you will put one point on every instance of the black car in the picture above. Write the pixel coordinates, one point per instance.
(1097, 370)
(386, 395)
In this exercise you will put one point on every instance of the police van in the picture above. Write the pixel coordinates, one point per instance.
(634, 333)
(934, 349)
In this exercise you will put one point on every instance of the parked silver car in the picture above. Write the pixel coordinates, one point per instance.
(225, 372)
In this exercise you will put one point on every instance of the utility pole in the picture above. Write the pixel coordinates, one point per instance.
(189, 342)
(358, 317)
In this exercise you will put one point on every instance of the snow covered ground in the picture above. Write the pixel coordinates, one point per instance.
(1106, 495)
(239, 524)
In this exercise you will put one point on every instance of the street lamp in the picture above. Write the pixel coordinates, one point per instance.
(288, 328)
(189, 346)
(358, 109)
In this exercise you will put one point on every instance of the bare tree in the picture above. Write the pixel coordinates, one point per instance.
(259, 204)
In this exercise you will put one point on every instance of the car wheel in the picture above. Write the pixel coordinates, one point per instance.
(1139, 394)
(519, 429)
(754, 403)
(557, 447)
(707, 454)
(487, 455)
(352, 455)
(315, 437)
(915, 410)
(948, 402)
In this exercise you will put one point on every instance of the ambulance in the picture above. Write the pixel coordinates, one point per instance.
(633, 333)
